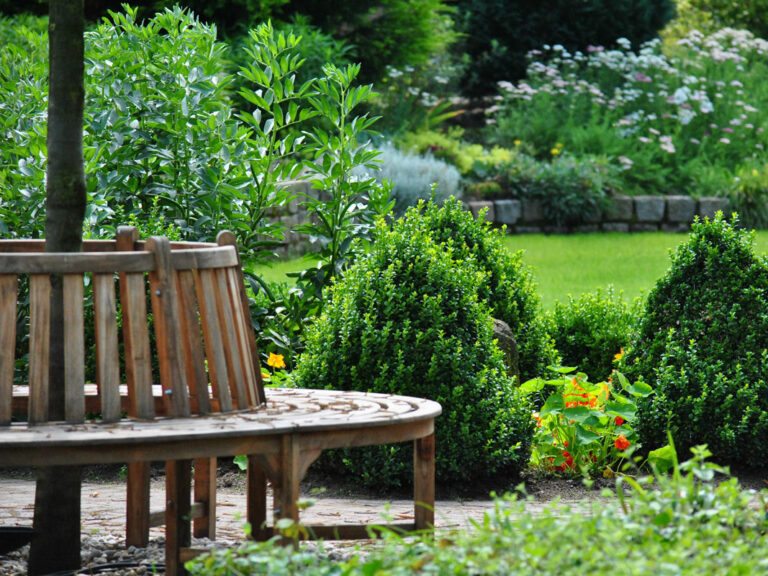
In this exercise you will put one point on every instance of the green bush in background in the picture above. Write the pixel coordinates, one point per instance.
(589, 331)
(702, 343)
(407, 320)
(498, 34)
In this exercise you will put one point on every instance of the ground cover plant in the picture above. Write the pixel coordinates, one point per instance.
(684, 122)
(702, 346)
(408, 319)
(685, 523)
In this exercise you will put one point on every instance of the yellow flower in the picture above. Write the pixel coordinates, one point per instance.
(276, 360)
(555, 151)
(518, 142)
(619, 356)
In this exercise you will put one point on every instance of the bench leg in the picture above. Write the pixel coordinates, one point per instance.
(137, 505)
(178, 482)
(256, 514)
(205, 494)
(424, 482)
(287, 489)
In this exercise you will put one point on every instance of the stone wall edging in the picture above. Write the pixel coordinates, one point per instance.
(622, 214)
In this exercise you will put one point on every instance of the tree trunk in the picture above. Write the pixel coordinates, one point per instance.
(56, 546)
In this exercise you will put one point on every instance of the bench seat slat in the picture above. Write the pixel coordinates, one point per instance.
(8, 299)
(39, 346)
(74, 349)
(107, 358)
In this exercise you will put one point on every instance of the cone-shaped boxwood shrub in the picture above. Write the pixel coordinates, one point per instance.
(407, 320)
(702, 344)
(508, 285)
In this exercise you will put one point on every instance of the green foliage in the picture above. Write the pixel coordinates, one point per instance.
(745, 14)
(685, 523)
(407, 320)
(508, 287)
(585, 428)
(703, 344)
(589, 331)
(499, 34)
(392, 33)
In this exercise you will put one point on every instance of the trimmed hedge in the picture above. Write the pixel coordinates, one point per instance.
(703, 344)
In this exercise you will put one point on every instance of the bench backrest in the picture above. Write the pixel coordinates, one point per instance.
(199, 329)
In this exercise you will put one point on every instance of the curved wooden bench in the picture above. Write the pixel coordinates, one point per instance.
(210, 402)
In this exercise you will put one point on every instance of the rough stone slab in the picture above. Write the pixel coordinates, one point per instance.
(528, 229)
(680, 209)
(532, 211)
(619, 209)
(649, 208)
(477, 206)
(616, 227)
(711, 204)
(556, 230)
(643, 227)
(587, 228)
(508, 211)
(675, 227)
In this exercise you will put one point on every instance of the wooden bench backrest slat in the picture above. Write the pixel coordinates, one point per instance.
(226, 238)
(214, 347)
(228, 335)
(8, 287)
(162, 285)
(107, 358)
(133, 302)
(194, 358)
(39, 346)
(74, 349)
(239, 333)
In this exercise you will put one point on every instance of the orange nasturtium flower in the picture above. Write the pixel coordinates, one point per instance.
(621, 442)
(619, 355)
(276, 360)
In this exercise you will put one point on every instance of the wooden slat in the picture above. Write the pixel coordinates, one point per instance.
(165, 312)
(211, 257)
(226, 238)
(194, 358)
(107, 357)
(214, 347)
(8, 288)
(138, 367)
(240, 336)
(75, 262)
(228, 336)
(39, 347)
(74, 349)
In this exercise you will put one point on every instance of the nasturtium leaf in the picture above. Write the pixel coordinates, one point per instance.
(554, 405)
(584, 436)
(626, 411)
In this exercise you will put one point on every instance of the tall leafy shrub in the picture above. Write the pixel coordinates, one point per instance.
(703, 344)
(407, 320)
(498, 34)
(508, 287)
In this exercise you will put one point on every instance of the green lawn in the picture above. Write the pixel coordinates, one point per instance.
(579, 263)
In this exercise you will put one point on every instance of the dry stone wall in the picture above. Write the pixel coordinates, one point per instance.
(621, 214)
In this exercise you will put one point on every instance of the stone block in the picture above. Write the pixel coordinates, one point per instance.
(478, 205)
(528, 229)
(616, 227)
(643, 227)
(508, 211)
(619, 209)
(675, 227)
(586, 228)
(533, 211)
(680, 209)
(649, 208)
(556, 230)
(711, 204)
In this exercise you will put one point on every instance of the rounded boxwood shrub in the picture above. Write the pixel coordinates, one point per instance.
(702, 344)
(407, 320)
(508, 286)
(589, 331)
